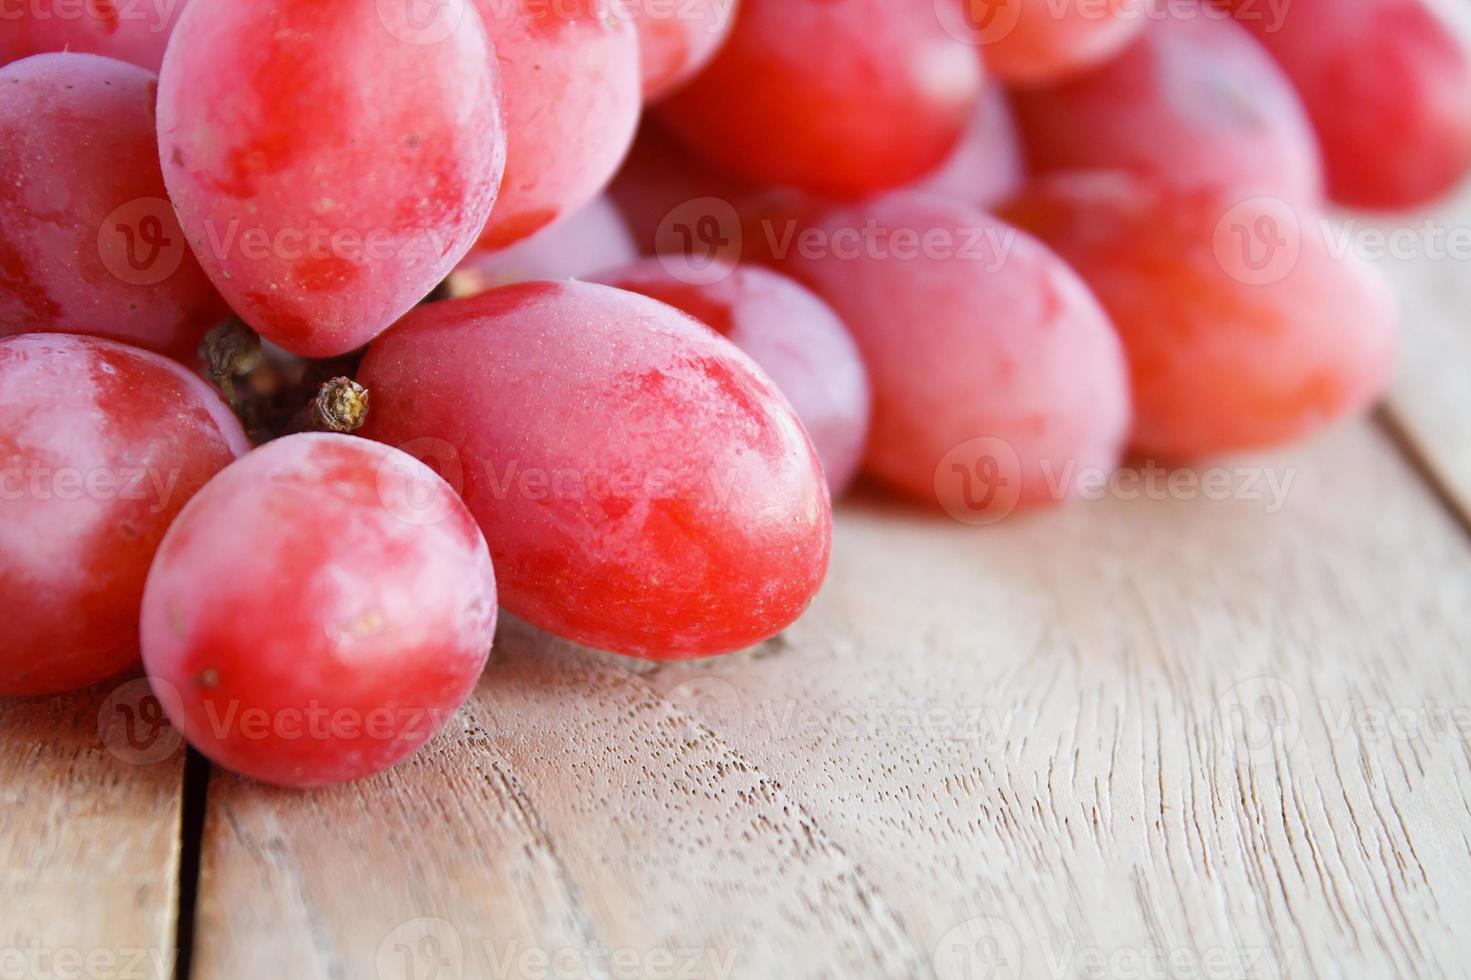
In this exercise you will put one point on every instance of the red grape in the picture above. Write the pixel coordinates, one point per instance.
(590, 240)
(792, 335)
(100, 446)
(1028, 42)
(133, 32)
(88, 241)
(1388, 88)
(976, 338)
(644, 487)
(989, 164)
(677, 38)
(318, 611)
(330, 161)
(840, 97)
(1194, 101)
(1243, 327)
(658, 182)
(570, 75)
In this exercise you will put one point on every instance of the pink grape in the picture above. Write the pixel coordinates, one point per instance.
(644, 487)
(570, 73)
(329, 164)
(1243, 327)
(677, 38)
(976, 337)
(1030, 42)
(129, 31)
(585, 242)
(101, 445)
(1194, 101)
(1388, 87)
(88, 241)
(839, 97)
(989, 164)
(792, 335)
(318, 611)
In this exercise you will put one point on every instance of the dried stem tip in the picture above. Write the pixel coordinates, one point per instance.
(229, 351)
(341, 405)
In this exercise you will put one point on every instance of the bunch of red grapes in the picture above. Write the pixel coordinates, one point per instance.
(323, 340)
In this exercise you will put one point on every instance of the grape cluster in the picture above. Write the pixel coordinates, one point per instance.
(330, 328)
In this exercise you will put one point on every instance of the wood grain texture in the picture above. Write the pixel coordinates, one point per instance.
(89, 836)
(1136, 738)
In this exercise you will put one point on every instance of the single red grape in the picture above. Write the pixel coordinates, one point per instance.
(585, 242)
(1029, 42)
(645, 489)
(792, 335)
(677, 38)
(839, 97)
(133, 32)
(1244, 327)
(88, 241)
(1195, 100)
(100, 446)
(1388, 87)
(330, 160)
(985, 351)
(570, 74)
(989, 164)
(318, 612)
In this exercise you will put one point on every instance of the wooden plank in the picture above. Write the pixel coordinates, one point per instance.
(90, 797)
(1219, 737)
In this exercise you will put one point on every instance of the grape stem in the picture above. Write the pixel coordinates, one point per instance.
(341, 405)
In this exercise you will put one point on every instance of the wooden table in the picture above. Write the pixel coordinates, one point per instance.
(1182, 737)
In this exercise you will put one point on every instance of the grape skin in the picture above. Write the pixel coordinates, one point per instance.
(814, 94)
(989, 164)
(644, 488)
(328, 172)
(1194, 101)
(570, 76)
(101, 445)
(673, 49)
(1388, 88)
(81, 169)
(586, 242)
(982, 335)
(790, 333)
(1228, 352)
(134, 33)
(1034, 45)
(321, 573)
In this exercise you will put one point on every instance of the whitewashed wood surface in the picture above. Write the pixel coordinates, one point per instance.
(1180, 737)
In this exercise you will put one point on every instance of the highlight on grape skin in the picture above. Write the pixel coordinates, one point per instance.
(101, 445)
